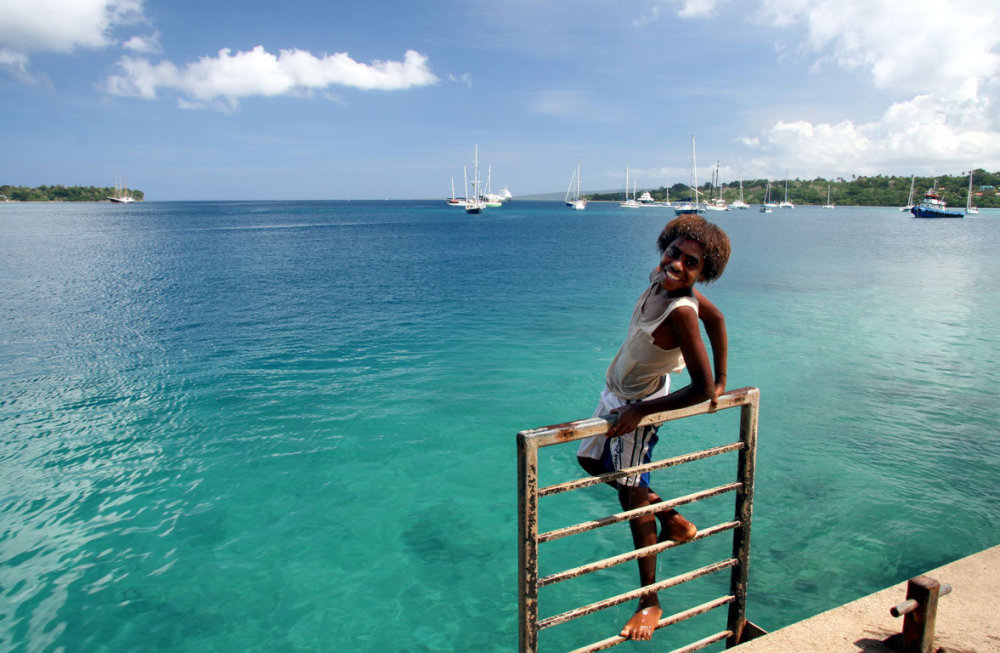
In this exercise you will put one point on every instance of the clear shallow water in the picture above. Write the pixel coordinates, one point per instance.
(290, 425)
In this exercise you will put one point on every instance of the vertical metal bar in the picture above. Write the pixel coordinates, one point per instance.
(918, 625)
(744, 510)
(527, 551)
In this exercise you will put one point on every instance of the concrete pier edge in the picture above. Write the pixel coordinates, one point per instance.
(968, 619)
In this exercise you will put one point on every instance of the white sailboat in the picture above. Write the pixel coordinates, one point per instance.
(575, 202)
(692, 205)
(491, 199)
(909, 201)
(968, 201)
(828, 205)
(474, 203)
(786, 204)
(716, 203)
(455, 201)
(121, 194)
(740, 204)
(768, 206)
(630, 202)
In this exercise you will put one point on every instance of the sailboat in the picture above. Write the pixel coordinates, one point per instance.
(475, 203)
(909, 201)
(740, 204)
(691, 205)
(828, 205)
(455, 201)
(767, 206)
(716, 203)
(575, 202)
(121, 195)
(968, 201)
(492, 200)
(630, 202)
(786, 204)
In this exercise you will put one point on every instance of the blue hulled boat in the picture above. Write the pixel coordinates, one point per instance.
(933, 206)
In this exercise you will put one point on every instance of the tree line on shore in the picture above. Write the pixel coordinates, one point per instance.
(63, 193)
(878, 190)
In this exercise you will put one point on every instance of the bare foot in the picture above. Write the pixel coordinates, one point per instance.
(674, 527)
(642, 624)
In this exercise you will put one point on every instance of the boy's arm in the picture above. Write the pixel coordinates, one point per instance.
(715, 327)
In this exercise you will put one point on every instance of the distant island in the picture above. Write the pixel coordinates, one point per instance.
(63, 194)
(878, 190)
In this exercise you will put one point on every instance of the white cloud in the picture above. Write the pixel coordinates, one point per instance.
(223, 80)
(924, 131)
(28, 26)
(939, 58)
(697, 8)
(149, 44)
(919, 46)
(16, 63)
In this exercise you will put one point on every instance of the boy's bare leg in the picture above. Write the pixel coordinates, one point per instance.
(673, 525)
(642, 624)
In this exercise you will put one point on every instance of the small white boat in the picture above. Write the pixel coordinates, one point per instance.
(786, 204)
(968, 201)
(909, 201)
(768, 206)
(828, 205)
(716, 203)
(491, 199)
(474, 204)
(455, 201)
(692, 205)
(121, 194)
(740, 204)
(573, 200)
(629, 202)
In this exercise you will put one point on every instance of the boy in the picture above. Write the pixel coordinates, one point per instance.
(663, 338)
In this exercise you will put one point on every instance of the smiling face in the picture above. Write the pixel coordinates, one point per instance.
(681, 264)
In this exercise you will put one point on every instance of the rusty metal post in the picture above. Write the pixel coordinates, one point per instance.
(919, 620)
(527, 534)
(746, 468)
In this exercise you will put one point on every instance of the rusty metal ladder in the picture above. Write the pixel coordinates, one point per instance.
(529, 442)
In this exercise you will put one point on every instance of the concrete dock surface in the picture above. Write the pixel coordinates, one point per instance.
(968, 618)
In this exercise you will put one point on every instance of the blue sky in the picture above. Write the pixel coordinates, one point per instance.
(386, 99)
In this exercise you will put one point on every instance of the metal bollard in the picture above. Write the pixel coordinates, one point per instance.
(919, 613)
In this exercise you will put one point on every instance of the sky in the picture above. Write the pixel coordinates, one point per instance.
(309, 99)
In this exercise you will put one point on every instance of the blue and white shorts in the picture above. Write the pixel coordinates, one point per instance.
(629, 450)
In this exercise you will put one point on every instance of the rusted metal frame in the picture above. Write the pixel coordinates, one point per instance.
(632, 471)
(545, 436)
(614, 561)
(662, 623)
(628, 515)
(705, 642)
(746, 469)
(527, 552)
(597, 606)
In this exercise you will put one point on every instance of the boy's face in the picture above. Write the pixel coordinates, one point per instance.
(681, 264)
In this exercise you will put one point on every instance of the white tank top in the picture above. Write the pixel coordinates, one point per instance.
(639, 366)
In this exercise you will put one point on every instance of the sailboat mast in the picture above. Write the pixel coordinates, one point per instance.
(694, 170)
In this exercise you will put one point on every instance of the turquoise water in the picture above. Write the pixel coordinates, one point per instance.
(289, 426)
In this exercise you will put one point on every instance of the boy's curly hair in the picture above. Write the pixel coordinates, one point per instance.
(710, 236)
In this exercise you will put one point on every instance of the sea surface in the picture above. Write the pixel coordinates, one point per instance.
(290, 426)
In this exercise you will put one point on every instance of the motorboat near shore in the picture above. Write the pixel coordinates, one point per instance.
(933, 206)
